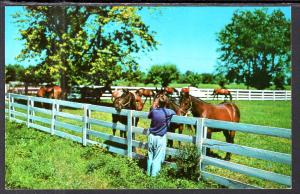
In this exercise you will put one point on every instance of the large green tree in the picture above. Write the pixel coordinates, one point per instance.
(255, 48)
(84, 45)
(162, 74)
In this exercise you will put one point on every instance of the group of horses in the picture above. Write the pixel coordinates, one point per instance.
(226, 111)
(188, 104)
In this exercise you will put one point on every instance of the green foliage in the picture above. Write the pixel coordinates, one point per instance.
(255, 48)
(162, 74)
(194, 79)
(187, 162)
(85, 45)
(208, 78)
(14, 72)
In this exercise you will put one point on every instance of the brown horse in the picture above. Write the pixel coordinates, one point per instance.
(125, 101)
(96, 93)
(49, 91)
(225, 111)
(146, 93)
(170, 91)
(221, 91)
(117, 93)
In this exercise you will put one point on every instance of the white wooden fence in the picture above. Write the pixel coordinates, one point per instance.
(27, 114)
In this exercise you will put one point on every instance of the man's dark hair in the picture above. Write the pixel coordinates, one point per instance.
(162, 101)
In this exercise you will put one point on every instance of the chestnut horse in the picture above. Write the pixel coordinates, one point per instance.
(125, 101)
(146, 93)
(221, 91)
(225, 111)
(170, 91)
(117, 93)
(49, 91)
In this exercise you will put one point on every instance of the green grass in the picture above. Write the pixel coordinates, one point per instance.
(37, 160)
(269, 113)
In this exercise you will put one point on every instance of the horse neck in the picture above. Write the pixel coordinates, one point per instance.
(198, 105)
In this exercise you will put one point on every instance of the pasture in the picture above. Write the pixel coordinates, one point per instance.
(277, 114)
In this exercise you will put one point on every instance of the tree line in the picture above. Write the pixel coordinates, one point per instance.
(98, 45)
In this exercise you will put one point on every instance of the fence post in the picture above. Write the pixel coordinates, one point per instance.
(274, 95)
(129, 134)
(286, 95)
(199, 140)
(85, 124)
(263, 95)
(32, 111)
(28, 111)
(53, 117)
(249, 95)
(89, 114)
(237, 95)
(9, 107)
(12, 107)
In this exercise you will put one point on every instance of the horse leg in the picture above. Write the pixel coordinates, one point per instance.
(208, 136)
(229, 135)
(172, 130)
(114, 120)
(145, 101)
(180, 129)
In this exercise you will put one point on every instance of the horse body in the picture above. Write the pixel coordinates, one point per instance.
(146, 93)
(49, 91)
(225, 111)
(221, 91)
(170, 90)
(173, 126)
(55, 92)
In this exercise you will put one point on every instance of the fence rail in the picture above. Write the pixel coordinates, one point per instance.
(83, 132)
(205, 94)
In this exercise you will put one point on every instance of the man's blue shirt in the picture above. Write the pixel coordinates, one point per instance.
(160, 120)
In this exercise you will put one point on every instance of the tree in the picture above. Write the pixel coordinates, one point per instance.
(194, 79)
(162, 74)
(13, 72)
(84, 45)
(255, 48)
(207, 78)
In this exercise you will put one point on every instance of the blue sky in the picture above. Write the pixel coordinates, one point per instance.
(187, 36)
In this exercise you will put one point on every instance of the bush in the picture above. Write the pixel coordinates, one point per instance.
(187, 162)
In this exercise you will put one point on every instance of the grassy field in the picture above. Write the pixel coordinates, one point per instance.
(38, 160)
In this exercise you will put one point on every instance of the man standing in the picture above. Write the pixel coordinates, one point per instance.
(157, 140)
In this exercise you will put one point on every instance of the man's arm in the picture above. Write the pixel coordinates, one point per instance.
(150, 114)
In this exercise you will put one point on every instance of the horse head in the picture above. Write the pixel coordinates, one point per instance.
(185, 102)
(126, 100)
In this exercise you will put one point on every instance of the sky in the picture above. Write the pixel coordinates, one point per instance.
(187, 36)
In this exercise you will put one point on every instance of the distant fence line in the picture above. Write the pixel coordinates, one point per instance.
(82, 133)
(204, 94)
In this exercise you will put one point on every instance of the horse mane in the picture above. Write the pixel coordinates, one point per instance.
(198, 99)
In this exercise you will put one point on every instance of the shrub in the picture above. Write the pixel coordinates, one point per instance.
(187, 162)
